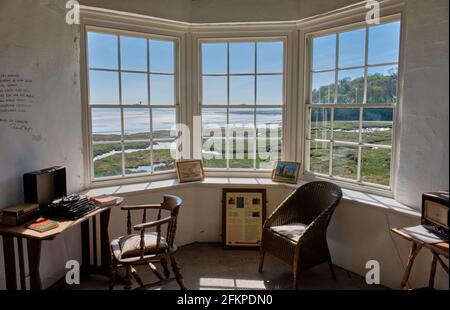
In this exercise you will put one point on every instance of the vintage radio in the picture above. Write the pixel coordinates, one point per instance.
(435, 212)
(44, 186)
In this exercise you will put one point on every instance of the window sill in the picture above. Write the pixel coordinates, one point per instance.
(381, 203)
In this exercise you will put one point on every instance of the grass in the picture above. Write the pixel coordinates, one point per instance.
(112, 165)
(375, 162)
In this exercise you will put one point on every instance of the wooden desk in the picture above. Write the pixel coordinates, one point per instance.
(436, 249)
(34, 240)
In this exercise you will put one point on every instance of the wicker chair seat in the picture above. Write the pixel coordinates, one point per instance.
(292, 231)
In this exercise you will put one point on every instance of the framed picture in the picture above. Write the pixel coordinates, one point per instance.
(243, 216)
(286, 171)
(190, 170)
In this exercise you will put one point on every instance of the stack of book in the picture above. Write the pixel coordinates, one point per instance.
(103, 200)
(19, 214)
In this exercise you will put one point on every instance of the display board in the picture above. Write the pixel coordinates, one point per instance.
(244, 213)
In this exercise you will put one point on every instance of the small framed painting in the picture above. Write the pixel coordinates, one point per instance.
(190, 171)
(286, 171)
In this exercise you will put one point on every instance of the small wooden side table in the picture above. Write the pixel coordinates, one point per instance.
(437, 250)
(34, 240)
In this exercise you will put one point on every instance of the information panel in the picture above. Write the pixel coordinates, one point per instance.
(244, 212)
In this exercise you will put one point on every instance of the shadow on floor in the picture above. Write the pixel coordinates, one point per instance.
(208, 266)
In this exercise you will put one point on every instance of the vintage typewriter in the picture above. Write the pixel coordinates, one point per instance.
(69, 208)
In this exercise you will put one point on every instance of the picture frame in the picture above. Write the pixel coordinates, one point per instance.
(286, 171)
(190, 171)
(243, 217)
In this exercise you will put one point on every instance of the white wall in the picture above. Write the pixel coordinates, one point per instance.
(37, 44)
(205, 11)
(424, 138)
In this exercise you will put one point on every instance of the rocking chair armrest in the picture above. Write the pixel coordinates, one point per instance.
(152, 224)
(141, 207)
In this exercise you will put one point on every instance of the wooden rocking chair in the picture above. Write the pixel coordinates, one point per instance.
(148, 248)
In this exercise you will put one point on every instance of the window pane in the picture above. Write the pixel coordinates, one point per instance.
(269, 134)
(241, 138)
(269, 90)
(213, 153)
(351, 86)
(162, 56)
(106, 124)
(214, 58)
(324, 53)
(376, 165)
(162, 89)
(377, 126)
(136, 124)
(163, 121)
(382, 84)
(319, 157)
(103, 87)
(214, 122)
(270, 57)
(102, 50)
(268, 152)
(137, 158)
(320, 122)
(133, 53)
(269, 123)
(162, 156)
(242, 90)
(384, 43)
(214, 90)
(346, 125)
(352, 48)
(345, 161)
(242, 57)
(134, 88)
(107, 160)
(323, 87)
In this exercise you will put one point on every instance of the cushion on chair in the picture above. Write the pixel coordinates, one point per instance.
(130, 245)
(291, 231)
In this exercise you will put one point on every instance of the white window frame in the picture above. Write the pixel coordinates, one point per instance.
(254, 106)
(133, 29)
(189, 34)
(342, 26)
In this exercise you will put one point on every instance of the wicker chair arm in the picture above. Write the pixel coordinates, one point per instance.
(282, 215)
(318, 228)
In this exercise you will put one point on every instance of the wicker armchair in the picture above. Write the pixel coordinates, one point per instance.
(296, 232)
(148, 248)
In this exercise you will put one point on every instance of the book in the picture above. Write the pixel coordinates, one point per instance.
(20, 209)
(103, 200)
(42, 224)
(12, 219)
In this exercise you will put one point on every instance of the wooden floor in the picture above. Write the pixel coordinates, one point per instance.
(208, 266)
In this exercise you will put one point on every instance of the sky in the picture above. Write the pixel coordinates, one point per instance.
(383, 47)
(255, 74)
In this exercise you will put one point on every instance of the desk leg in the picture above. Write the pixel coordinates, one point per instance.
(85, 248)
(105, 243)
(432, 271)
(34, 259)
(10, 262)
(415, 249)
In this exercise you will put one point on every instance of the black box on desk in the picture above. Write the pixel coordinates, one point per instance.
(44, 186)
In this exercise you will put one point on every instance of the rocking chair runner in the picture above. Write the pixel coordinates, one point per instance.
(296, 232)
(148, 248)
